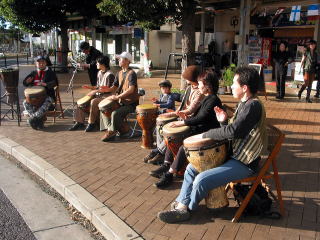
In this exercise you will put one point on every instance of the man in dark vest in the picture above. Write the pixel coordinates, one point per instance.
(126, 86)
(91, 61)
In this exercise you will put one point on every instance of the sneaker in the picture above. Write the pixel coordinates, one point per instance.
(165, 180)
(33, 123)
(77, 126)
(160, 171)
(40, 124)
(90, 127)
(108, 136)
(151, 155)
(173, 216)
(157, 160)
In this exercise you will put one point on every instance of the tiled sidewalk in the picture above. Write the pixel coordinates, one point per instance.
(115, 174)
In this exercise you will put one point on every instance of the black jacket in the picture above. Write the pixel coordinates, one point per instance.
(205, 117)
(91, 59)
(50, 79)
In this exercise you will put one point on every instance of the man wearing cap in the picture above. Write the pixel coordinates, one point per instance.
(44, 77)
(126, 94)
(91, 59)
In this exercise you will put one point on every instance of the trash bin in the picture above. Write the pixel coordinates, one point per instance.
(10, 78)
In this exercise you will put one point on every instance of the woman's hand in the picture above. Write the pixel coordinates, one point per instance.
(221, 115)
(176, 124)
(182, 115)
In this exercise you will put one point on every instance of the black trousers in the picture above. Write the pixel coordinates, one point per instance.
(281, 73)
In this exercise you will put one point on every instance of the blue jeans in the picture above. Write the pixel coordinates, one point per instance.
(196, 186)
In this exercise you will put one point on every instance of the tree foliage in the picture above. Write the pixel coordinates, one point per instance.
(43, 15)
(146, 13)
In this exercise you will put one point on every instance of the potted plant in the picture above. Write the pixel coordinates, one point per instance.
(222, 87)
(228, 75)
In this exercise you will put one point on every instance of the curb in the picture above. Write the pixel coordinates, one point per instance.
(107, 223)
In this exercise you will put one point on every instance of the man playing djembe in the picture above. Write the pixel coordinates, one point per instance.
(126, 94)
(46, 78)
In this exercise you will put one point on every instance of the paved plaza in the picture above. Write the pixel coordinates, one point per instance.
(116, 176)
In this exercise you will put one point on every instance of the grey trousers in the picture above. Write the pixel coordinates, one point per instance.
(115, 122)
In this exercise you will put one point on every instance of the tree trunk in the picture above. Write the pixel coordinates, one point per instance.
(188, 36)
(64, 47)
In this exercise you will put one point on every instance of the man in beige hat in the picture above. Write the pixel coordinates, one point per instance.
(126, 86)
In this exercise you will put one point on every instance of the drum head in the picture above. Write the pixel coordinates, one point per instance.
(35, 91)
(161, 119)
(105, 102)
(84, 100)
(170, 131)
(146, 108)
(201, 143)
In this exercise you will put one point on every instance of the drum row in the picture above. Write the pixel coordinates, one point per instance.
(203, 154)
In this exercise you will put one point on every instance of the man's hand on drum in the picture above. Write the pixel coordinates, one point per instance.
(157, 105)
(221, 115)
(29, 80)
(176, 124)
(92, 93)
(114, 97)
(43, 84)
(182, 115)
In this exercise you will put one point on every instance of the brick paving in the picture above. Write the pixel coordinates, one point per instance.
(115, 174)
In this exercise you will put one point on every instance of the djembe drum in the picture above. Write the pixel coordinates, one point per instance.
(146, 117)
(173, 137)
(205, 154)
(84, 103)
(163, 120)
(35, 95)
(107, 106)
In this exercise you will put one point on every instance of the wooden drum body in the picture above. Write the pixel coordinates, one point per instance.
(84, 103)
(205, 154)
(107, 106)
(173, 136)
(35, 95)
(146, 117)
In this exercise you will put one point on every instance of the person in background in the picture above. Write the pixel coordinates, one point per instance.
(91, 59)
(308, 63)
(166, 102)
(281, 60)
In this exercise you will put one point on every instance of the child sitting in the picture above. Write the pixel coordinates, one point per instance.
(166, 103)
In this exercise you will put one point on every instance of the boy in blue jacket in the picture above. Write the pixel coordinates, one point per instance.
(166, 102)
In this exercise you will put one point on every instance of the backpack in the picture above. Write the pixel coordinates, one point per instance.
(259, 204)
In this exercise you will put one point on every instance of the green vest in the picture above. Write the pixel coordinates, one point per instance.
(250, 148)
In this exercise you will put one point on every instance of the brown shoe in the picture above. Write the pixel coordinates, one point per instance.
(157, 160)
(108, 136)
